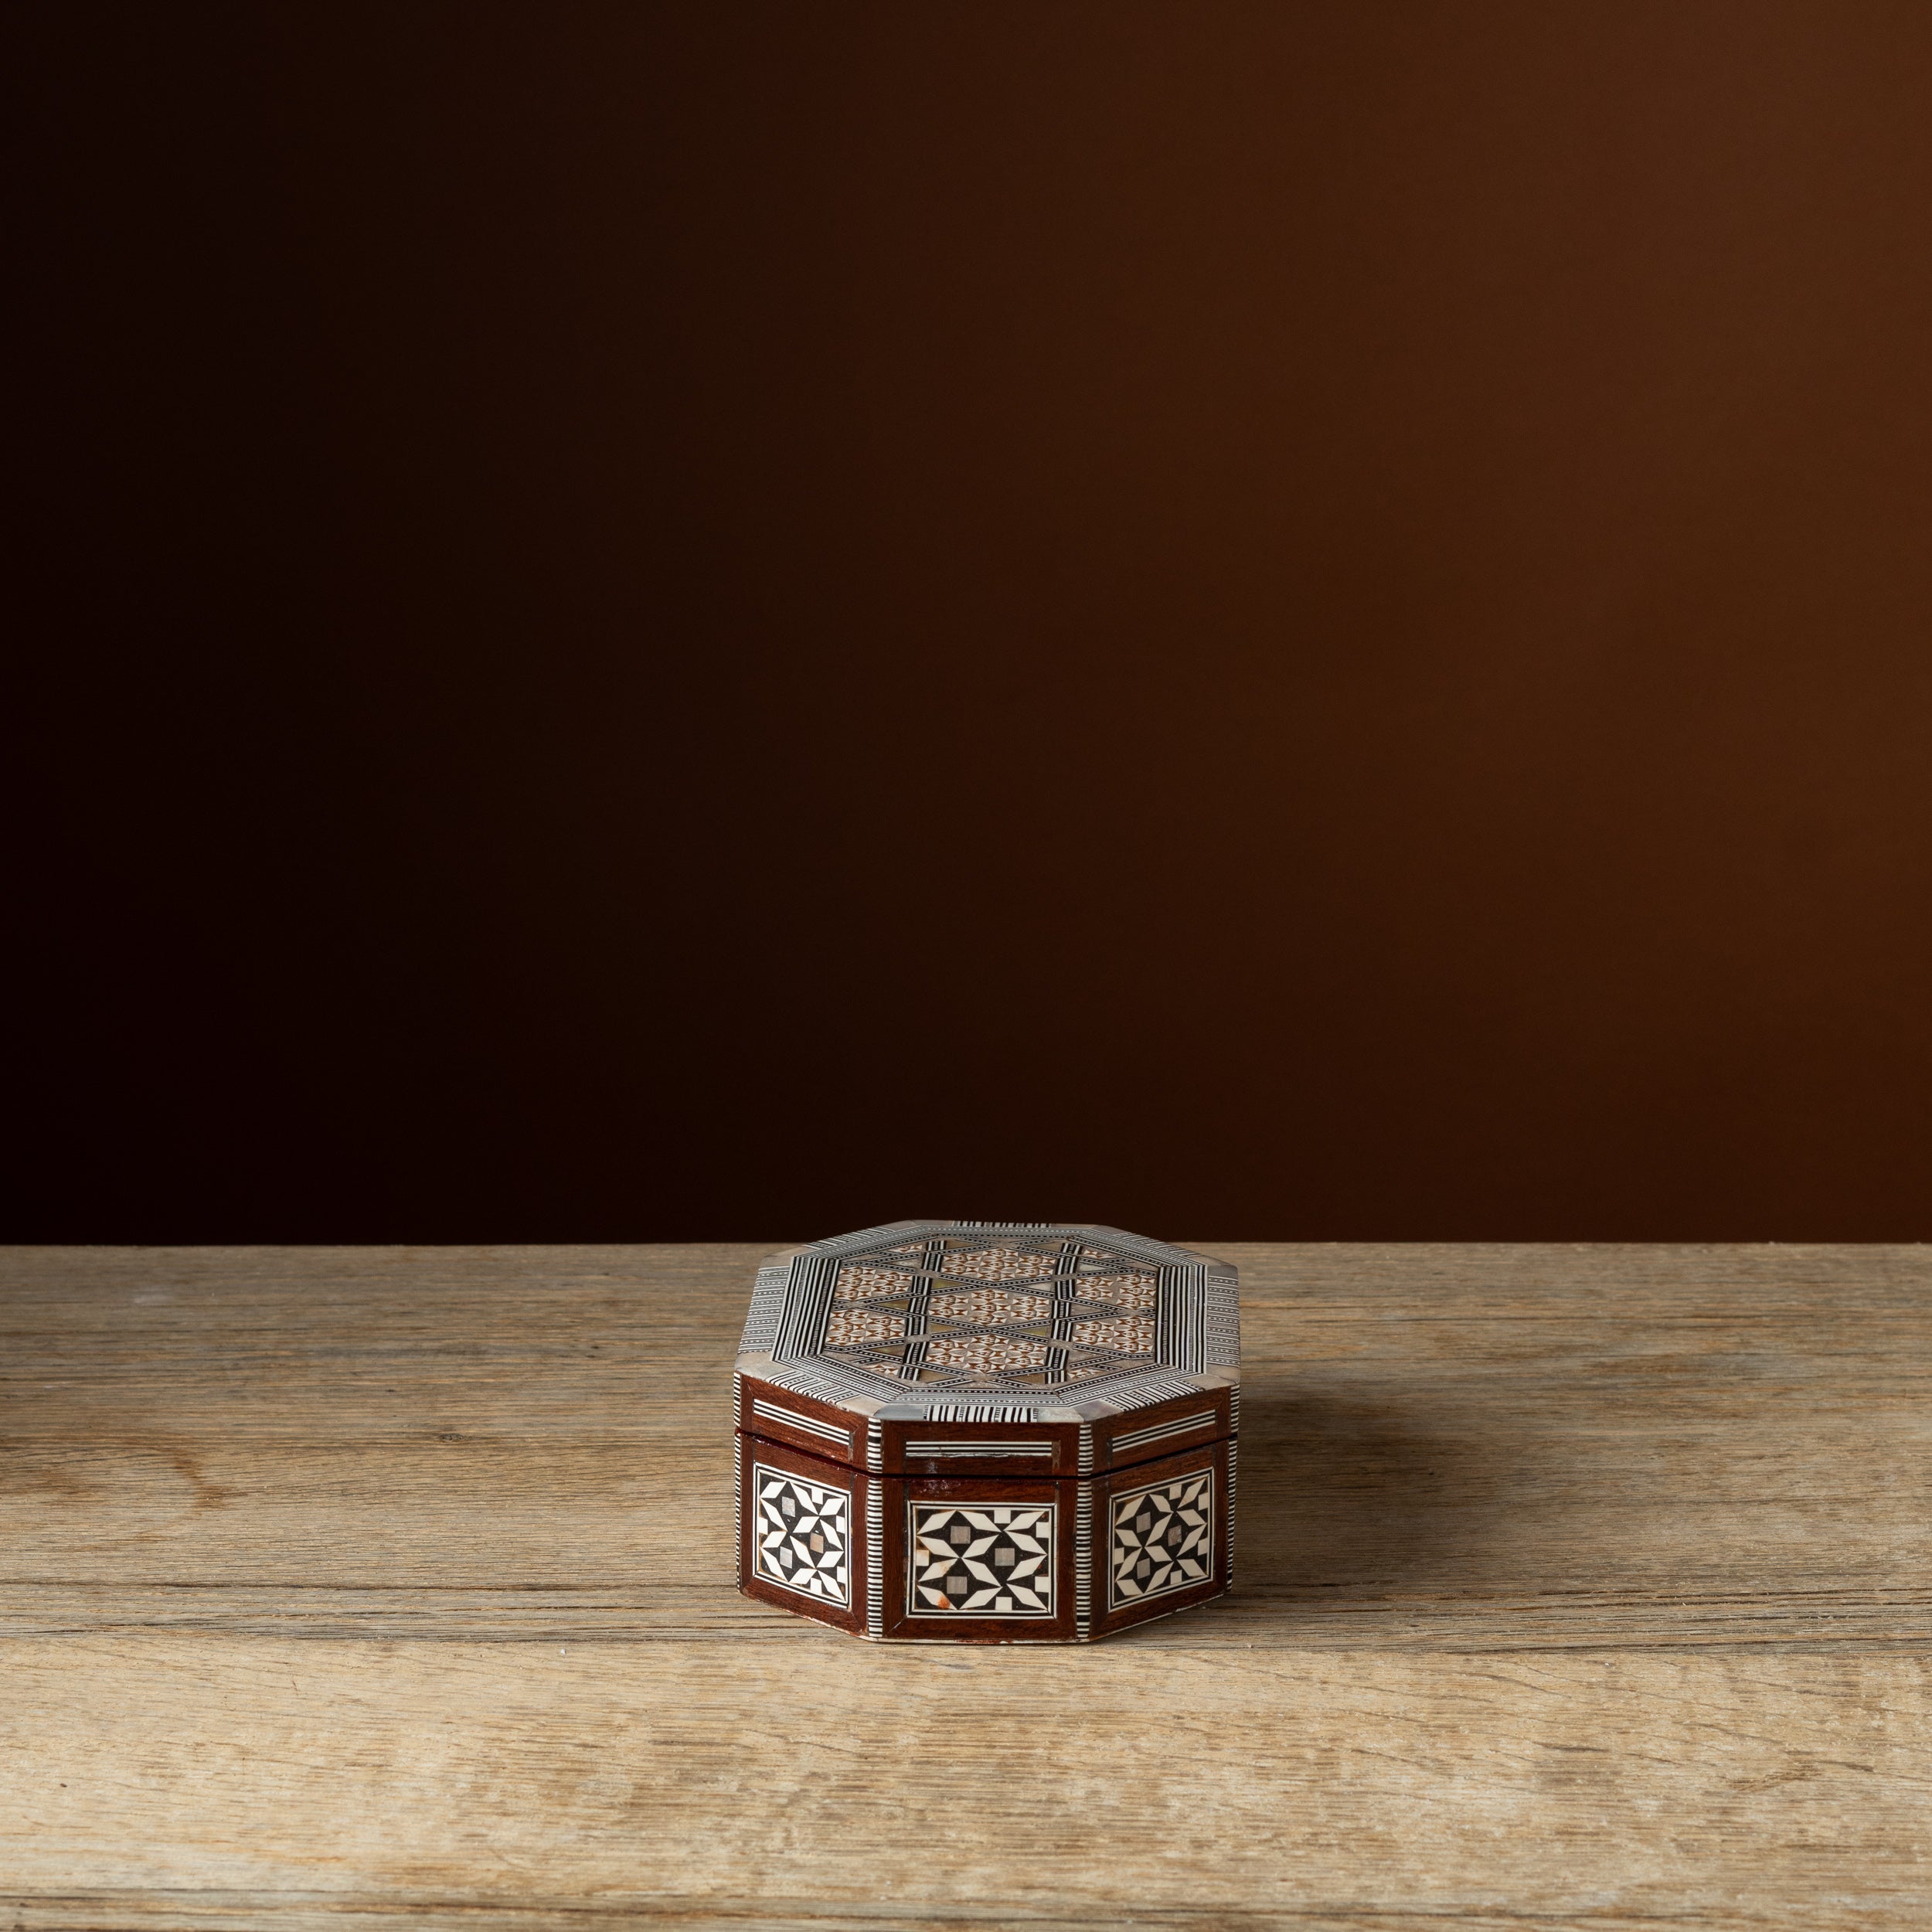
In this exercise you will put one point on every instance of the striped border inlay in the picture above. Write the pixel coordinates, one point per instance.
(1221, 1321)
(1083, 1560)
(792, 1419)
(1178, 1337)
(769, 1289)
(979, 1448)
(874, 1559)
(1145, 1393)
(801, 1330)
(1181, 1426)
(1234, 1451)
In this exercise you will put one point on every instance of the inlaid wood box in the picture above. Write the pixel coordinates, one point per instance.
(988, 1432)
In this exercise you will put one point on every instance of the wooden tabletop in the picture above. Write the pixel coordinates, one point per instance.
(1577, 1586)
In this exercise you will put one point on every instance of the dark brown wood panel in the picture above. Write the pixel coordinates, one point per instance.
(900, 1441)
(1144, 1435)
(782, 1415)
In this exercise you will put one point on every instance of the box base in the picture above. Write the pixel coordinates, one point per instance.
(977, 1559)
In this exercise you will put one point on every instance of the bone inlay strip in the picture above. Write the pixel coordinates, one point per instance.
(791, 1418)
(1183, 1426)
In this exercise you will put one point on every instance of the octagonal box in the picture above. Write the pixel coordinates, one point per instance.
(982, 1432)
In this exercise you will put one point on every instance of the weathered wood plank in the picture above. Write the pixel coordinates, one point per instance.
(1665, 1785)
(363, 1587)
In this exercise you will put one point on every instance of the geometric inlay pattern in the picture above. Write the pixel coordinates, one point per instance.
(993, 1561)
(1162, 1539)
(854, 1323)
(961, 1309)
(916, 1317)
(803, 1532)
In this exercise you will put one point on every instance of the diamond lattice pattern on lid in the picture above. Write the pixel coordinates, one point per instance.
(960, 1308)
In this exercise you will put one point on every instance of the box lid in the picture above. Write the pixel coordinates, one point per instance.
(982, 1322)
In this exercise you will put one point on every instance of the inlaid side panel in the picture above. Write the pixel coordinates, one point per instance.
(1161, 1537)
(971, 1559)
(995, 1559)
(979, 1561)
(802, 1533)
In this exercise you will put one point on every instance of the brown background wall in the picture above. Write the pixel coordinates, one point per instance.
(1306, 620)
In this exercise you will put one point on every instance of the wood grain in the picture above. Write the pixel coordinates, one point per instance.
(1575, 1586)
